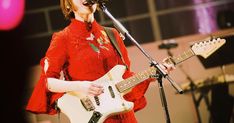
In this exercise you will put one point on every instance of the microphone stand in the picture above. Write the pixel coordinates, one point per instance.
(160, 73)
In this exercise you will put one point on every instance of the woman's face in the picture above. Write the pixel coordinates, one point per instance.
(81, 8)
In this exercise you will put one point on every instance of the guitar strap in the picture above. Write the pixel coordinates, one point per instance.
(112, 38)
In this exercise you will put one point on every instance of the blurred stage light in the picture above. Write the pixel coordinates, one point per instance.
(11, 13)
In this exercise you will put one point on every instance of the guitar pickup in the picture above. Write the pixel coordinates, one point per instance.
(87, 103)
(97, 100)
(111, 92)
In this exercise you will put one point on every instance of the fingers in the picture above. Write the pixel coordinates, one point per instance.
(96, 85)
(167, 67)
(95, 89)
(164, 68)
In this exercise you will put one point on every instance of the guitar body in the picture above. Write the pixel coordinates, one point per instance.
(80, 108)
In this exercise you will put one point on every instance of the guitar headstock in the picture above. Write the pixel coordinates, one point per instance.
(206, 48)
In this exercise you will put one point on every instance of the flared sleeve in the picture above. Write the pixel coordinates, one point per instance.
(42, 100)
(137, 93)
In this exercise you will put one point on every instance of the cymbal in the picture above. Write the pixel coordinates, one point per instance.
(214, 80)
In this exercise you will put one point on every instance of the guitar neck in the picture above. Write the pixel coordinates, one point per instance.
(204, 49)
(134, 80)
(182, 57)
(139, 77)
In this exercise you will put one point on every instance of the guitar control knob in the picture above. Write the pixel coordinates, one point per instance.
(97, 114)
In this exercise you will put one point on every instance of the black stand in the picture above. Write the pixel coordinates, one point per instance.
(163, 99)
(196, 103)
(160, 72)
(221, 106)
(203, 94)
(165, 45)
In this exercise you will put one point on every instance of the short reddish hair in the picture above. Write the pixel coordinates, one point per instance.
(67, 8)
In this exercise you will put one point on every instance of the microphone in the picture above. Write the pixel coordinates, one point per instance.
(91, 2)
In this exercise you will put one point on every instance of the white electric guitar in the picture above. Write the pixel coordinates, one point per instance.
(81, 108)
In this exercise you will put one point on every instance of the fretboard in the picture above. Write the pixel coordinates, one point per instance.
(139, 77)
(185, 55)
(134, 80)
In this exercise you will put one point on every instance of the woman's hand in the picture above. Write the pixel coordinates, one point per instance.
(167, 67)
(90, 88)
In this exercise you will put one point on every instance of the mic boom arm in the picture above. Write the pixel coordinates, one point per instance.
(91, 2)
(125, 32)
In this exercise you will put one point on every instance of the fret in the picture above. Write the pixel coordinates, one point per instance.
(197, 49)
(134, 80)
(141, 75)
(138, 77)
(152, 71)
(185, 55)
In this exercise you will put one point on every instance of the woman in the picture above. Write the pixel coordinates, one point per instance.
(83, 52)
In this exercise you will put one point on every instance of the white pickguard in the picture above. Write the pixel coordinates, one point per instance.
(70, 103)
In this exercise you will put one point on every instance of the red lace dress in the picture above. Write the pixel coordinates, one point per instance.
(83, 53)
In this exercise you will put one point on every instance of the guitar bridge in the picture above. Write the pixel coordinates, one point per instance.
(87, 103)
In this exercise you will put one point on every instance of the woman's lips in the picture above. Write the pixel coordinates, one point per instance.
(85, 3)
